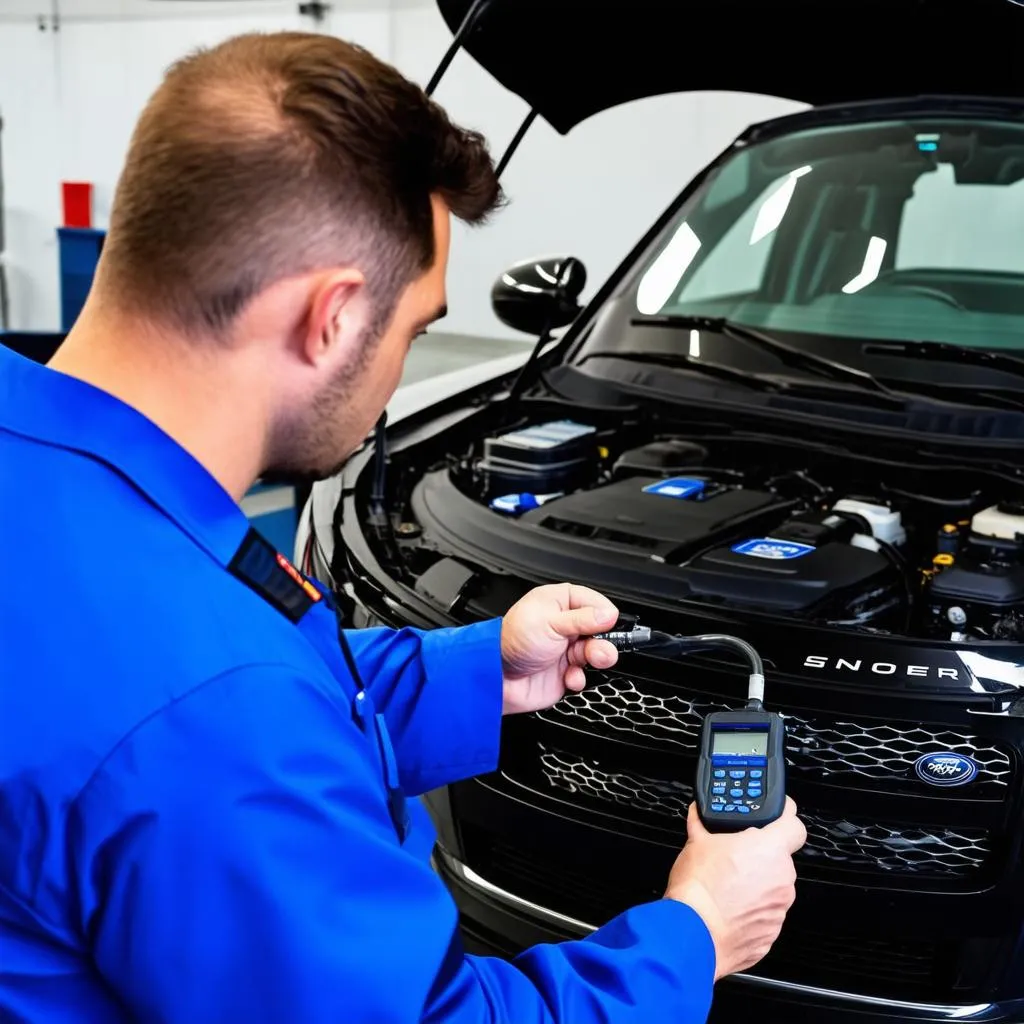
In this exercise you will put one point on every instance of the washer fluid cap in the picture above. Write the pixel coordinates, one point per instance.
(886, 525)
(1011, 508)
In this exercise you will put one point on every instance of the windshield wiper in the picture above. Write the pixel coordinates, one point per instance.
(684, 361)
(831, 390)
(787, 354)
(948, 352)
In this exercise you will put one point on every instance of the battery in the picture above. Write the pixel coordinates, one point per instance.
(548, 457)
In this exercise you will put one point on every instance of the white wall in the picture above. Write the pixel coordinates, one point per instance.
(69, 100)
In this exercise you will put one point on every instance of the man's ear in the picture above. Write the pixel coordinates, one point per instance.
(339, 314)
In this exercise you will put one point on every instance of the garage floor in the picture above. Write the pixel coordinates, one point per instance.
(438, 353)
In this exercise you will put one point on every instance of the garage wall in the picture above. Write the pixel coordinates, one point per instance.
(69, 99)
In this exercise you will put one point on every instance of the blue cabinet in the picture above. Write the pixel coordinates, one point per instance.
(79, 253)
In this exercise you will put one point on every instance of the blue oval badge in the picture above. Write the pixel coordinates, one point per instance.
(946, 769)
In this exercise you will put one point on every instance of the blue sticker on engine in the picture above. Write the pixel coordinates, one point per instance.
(768, 547)
(677, 487)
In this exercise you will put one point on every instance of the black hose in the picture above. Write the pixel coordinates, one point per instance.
(669, 643)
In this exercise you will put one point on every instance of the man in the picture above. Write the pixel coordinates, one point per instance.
(203, 811)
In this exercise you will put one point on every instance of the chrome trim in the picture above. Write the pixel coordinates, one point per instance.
(929, 1011)
(470, 877)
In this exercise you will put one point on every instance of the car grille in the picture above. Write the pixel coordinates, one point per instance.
(934, 851)
(575, 774)
(937, 852)
(875, 753)
(897, 968)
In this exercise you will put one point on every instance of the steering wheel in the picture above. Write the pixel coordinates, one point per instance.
(925, 292)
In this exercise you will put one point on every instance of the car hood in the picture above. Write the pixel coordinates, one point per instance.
(569, 59)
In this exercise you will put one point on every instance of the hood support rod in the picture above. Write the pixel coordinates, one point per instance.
(514, 144)
(464, 30)
(378, 495)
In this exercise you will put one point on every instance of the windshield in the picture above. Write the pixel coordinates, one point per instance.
(906, 231)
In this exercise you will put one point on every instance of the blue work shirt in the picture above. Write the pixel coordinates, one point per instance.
(198, 820)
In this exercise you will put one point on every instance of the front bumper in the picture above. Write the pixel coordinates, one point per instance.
(496, 922)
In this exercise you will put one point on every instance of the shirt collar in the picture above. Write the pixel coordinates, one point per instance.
(55, 409)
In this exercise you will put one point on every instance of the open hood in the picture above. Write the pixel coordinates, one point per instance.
(569, 59)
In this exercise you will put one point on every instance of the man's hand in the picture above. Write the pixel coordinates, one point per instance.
(544, 644)
(742, 884)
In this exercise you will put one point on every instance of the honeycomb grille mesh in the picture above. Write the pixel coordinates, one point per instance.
(936, 852)
(877, 751)
(578, 775)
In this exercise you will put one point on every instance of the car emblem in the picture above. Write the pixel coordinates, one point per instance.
(946, 769)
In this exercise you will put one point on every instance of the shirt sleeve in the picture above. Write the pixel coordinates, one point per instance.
(440, 692)
(233, 860)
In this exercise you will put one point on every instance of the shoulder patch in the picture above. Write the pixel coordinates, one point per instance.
(266, 571)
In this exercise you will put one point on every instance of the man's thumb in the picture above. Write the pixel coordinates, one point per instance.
(579, 621)
(694, 826)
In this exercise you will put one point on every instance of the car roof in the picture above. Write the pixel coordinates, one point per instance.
(570, 59)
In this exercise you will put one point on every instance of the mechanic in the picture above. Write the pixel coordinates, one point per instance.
(203, 815)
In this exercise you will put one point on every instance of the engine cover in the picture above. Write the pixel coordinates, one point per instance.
(668, 519)
(836, 580)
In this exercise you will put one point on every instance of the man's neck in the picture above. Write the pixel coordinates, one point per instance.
(206, 399)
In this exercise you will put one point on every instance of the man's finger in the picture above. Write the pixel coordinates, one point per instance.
(596, 653)
(789, 829)
(575, 679)
(577, 653)
(600, 653)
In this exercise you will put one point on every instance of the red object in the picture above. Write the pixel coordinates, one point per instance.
(77, 204)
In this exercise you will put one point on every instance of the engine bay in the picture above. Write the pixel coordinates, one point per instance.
(778, 526)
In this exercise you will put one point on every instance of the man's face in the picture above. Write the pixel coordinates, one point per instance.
(343, 411)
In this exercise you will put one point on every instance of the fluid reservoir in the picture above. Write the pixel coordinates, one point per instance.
(885, 523)
(1005, 521)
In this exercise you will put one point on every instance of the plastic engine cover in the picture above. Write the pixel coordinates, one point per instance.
(665, 518)
(837, 580)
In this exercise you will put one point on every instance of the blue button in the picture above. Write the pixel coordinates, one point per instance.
(737, 774)
(743, 809)
(735, 792)
(756, 774)
(730, 807)
(753, 792)
(718, 790)
(719, 774)
(718, 807)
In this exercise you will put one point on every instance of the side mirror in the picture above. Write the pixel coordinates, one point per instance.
(536, 296)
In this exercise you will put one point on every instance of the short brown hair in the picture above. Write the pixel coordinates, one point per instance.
(271, 155)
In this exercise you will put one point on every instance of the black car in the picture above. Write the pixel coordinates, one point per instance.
(795, 414)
